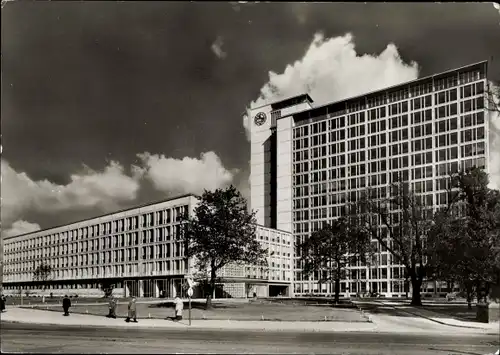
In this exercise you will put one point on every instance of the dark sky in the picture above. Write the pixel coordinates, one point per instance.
(86, 82)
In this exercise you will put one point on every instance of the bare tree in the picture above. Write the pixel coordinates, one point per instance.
(493, 97)
(399, 220)
(328, 252)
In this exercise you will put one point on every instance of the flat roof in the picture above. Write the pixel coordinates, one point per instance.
(103, 215)
(389, 88)
(288, 101)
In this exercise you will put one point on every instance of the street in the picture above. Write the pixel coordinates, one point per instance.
(17, 337)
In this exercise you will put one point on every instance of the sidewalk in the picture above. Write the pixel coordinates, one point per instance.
(438, 317)
(24, 315)
(401, 325)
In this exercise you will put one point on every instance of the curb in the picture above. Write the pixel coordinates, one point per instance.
(431, 319)
(188, 328)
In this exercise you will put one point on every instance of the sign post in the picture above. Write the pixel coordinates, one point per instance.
(190, 294)
(191, 284)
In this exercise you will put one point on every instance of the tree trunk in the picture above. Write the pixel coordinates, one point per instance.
(213, 275)
(469, 289)
(450, 285)
(416, 298)
(337, 290)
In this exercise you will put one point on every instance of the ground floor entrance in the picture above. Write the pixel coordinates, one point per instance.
(156, 288)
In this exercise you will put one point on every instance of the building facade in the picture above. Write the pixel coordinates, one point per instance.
(307, 161)
(138, 252)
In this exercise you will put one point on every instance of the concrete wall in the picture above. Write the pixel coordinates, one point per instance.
(284, 189)
(260, 166)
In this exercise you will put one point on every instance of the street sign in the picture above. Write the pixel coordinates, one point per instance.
(190, 292)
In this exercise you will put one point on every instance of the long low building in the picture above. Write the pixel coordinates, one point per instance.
(137, 252)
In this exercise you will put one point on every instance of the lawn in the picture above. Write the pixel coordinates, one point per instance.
(274, 311)
(460, 312)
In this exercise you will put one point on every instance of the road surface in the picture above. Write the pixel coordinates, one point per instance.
(18, 337)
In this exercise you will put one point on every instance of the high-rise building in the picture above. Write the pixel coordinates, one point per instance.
(307, 160)
(138, 252)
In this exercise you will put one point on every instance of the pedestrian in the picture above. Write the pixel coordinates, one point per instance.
(179, 306)
(3, 301)
(66, 303)
(132, 311)
(112, 308)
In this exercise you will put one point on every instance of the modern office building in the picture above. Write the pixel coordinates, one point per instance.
(139, 252)
(307, 160)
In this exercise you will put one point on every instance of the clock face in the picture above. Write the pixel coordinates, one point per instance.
(260, 118)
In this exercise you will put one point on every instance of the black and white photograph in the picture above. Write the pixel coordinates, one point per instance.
(250, 177)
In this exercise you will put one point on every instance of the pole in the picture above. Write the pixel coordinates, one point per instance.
(189, 310)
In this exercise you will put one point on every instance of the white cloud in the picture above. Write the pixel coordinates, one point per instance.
(217, 48)
(497, 7)
(20, 227)
(108, 189)
(187, 175)
(89, 189)
(332, 70)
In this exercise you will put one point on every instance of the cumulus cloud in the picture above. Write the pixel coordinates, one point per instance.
(332, 70)
(91, 188)
(217, 48)
(187, 175)
(497, 7)
(108, 189)
(20, 227)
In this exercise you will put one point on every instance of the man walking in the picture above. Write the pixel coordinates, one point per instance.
(132, 311)
(3, 301)
(112, 308)
(66, 303)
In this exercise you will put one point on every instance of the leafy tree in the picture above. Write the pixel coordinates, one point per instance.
(330, 250)
(221, 232)
(399, 220)
(464, 243)
(43, 274)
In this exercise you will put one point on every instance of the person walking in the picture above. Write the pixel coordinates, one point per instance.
(179, 307)
(3, 301)
(132, 311)
(66, 303)
(112, 308)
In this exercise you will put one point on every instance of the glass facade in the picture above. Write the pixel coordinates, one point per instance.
(417, 132)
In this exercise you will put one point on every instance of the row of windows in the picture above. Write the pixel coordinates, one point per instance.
(130, 223)
(472, 119)
(399, 136)
(394, 136)
(394, 122)
(419, 187)
(115, 256)
(472, 134)
(175, 266)
(403, 94)
(168, 233)
(300, 170)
